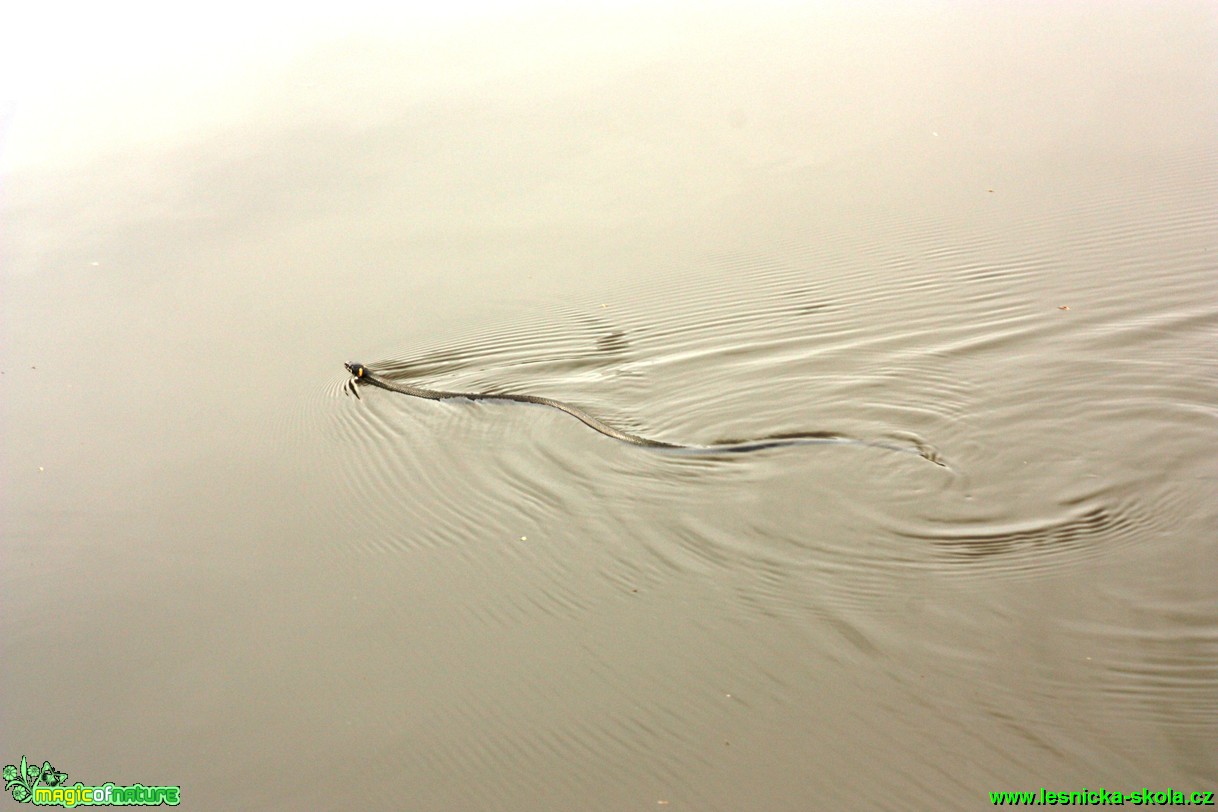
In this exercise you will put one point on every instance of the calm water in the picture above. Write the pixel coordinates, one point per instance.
(986, 233)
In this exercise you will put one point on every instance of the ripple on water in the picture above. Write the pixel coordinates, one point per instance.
(902, 339)
(759, 348)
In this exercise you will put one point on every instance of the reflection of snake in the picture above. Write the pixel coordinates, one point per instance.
(362, 375)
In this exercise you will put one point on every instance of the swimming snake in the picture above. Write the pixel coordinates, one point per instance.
(362, 375)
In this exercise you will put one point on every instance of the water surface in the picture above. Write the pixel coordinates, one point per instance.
(984, 232)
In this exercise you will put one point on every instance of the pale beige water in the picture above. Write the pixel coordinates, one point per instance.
(984, 231)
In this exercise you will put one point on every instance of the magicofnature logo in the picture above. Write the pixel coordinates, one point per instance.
(47, 786)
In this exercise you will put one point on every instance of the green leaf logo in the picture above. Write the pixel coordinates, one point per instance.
(22, 779)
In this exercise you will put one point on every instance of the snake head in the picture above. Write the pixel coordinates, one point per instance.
(355, 369)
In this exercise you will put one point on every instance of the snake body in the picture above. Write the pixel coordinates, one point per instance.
(363, 376)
